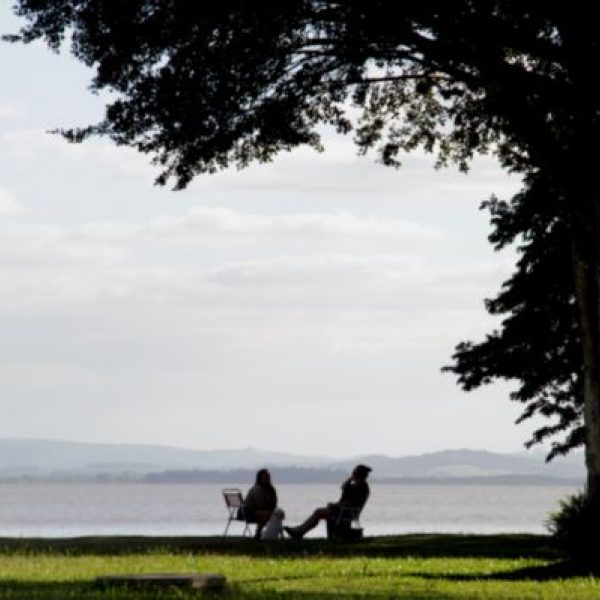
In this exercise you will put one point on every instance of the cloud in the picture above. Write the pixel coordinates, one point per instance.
(412, 288)
(226, 222)
(337, 174)
(10, 111)
(32, 145)
(302, 250)
(36, 245)
(205, 224)
(9, 205)
(134, 264)
(333, 270)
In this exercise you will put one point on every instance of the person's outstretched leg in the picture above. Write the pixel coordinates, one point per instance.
(310, 523)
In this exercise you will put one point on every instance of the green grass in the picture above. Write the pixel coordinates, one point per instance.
(411, 566)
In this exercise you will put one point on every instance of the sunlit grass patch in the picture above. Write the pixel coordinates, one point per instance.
(395, 568)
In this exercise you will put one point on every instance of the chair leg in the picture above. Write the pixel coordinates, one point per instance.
(227, 527)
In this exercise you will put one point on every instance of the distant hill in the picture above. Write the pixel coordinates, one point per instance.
(33, 459)
(35, 456)
(472, 463)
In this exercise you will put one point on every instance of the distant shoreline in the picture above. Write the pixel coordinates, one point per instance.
(325, 477)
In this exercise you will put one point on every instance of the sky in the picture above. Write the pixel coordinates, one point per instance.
(306, 305)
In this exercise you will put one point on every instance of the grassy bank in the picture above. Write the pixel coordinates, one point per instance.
(410, 566)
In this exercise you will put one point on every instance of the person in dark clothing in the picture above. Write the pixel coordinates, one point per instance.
(355, 492)
(260, 502)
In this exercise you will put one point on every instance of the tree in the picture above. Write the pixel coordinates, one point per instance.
(202, 86)
(539, 342)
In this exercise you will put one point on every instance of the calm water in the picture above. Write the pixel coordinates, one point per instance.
(43, 509)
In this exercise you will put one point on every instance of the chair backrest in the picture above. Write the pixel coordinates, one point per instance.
(233, 497)
(354, 512)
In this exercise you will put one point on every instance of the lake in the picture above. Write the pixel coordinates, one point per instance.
(73, 509)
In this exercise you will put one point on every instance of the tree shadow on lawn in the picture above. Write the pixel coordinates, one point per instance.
(400, 594)
(557, 570)
(415, 545)
(69, 590)
(66, 590)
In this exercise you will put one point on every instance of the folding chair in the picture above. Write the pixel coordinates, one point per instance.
(345, 525)
(234, 502)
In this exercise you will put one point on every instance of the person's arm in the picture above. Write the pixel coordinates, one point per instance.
(365, 495)
(346, 484)
(346, 491)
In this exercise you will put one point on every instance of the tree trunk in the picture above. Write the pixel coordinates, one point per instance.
(586, 266)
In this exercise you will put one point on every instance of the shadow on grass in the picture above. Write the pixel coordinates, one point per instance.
(556, 570)
(336, 595)
(417, 545)
(45, 590)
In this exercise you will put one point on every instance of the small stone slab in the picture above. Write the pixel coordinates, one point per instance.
(197, 581)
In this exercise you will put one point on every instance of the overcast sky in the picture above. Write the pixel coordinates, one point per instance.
(303, 306)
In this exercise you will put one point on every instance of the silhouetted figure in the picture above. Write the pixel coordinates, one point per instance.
(260, 501)
(355, 491)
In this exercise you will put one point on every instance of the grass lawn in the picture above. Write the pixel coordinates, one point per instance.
(409, 566)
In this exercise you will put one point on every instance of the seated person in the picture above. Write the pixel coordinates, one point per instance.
(260, 502)
(355, 492)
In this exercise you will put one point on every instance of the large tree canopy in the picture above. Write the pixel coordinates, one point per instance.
(201, 86)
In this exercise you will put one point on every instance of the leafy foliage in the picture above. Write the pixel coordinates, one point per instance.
(538, 344)
(575, 527)
(201, 86)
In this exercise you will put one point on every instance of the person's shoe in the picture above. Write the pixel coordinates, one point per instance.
(293, 532)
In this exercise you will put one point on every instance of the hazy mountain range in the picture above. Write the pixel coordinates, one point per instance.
(32, 459)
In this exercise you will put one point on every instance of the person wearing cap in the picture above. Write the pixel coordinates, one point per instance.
(355, 492)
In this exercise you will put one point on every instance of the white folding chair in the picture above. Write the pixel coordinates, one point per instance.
(234, 501)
